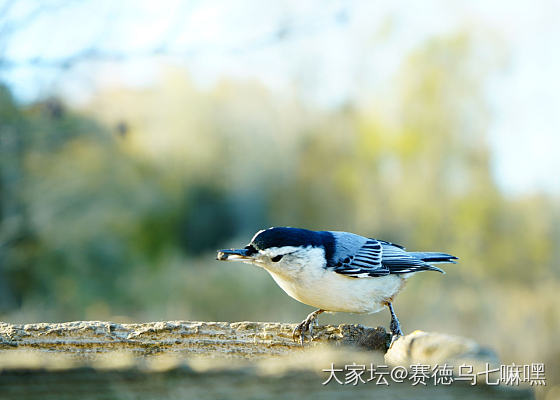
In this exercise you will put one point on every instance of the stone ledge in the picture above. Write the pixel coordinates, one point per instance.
(235, 339)
(206, 360)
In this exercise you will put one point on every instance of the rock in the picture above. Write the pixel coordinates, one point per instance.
(439, 348)
(211, 339)
(207, 360)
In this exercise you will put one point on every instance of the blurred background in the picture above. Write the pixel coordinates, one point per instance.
(138, 137)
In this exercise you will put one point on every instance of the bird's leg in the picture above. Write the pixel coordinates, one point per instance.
(395, 325)
(306, 325)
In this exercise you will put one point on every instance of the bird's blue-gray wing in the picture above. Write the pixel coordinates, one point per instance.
(359, 257)
(374, 258)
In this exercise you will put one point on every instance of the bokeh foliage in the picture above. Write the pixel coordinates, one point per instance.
(116, 208)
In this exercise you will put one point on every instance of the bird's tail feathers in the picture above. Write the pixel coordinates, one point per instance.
(434, 258)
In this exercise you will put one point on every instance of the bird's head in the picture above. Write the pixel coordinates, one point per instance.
(279, 248)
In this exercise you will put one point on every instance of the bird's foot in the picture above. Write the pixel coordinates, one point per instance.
(395, 325)
(396, 328)
(396, 331)
(306, 326)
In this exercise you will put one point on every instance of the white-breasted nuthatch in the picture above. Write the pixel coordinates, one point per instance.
(335, 271)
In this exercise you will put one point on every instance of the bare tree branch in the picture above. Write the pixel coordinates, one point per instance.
(286, 30)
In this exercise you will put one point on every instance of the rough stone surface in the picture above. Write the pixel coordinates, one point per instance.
(208, 360)
(223, 339)
(439, 348)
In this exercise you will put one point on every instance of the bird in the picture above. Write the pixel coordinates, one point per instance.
(335, 271)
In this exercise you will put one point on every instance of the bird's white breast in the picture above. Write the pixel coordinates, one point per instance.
(316, 286)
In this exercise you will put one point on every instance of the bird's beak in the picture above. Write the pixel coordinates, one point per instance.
(233, 255)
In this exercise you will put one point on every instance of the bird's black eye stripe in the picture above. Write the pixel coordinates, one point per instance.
(276, 258)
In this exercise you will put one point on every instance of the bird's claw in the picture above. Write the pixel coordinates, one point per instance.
(396, 331)
(305, 326)
(396, 328)
(300, 331)
(394, 339)
(395, 325)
